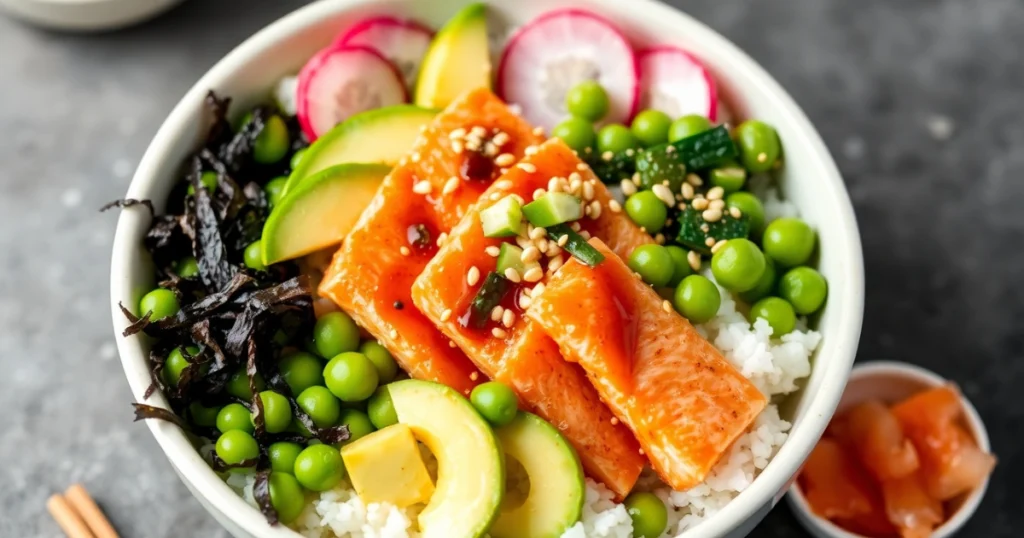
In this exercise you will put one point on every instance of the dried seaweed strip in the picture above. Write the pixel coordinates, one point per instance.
(135, 323)
(128, 202)
(261, 491)
(143, 411)
(236, 154)
(215, 270)
(329, 435)
(219, 131)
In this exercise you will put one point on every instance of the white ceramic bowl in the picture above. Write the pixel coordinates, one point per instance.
(810, 180)
(86, 15)
(891, 382)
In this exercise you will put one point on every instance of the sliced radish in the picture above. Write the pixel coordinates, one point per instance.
(560, 49)
(341, 81)
(403, 42)
(676, 83)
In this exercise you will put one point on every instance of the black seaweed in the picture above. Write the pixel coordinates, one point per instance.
(261, 491)
(143, 411)
(128, 202)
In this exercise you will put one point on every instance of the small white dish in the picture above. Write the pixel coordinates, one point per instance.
(86, 15)
(892, 382)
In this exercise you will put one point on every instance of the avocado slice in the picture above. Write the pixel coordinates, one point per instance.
(457, 60)
(555, 499)
(382, 135)
(471, 468)
(320, 212)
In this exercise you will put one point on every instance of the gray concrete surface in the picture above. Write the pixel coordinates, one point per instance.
(920, 101)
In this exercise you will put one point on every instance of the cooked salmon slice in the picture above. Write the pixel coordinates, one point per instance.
(429, 191)
(683, 400)
(877, 437)
(520, 354)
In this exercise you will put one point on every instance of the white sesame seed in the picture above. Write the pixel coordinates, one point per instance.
(530, 254)
(588, 191)
(555, 263)
(712, 215)
(523, 241)
(416, 157)
(525, 301)
(666, 305)
(505, 159)
(500, 139)
(553, 184)
(762, 157)
(457, 133)
(472, 276)
(718, 246)
(508, 318)
(513, 275)
(452, 345)
(473, 144)
(534, 274)
(636, 178)
(421, 187)
(563, 240)
(607, 156)
(694, 259)
(446, 315)
(530, 150)
(705, 228)
(595, 209)
(666, 182)
(498, 332)
(641, 452)
(503, 184)
(582, 167)
(542, 244)
(585, 234)
(494, 196)
(537, 233)
(614, 206)
(450, 185)
(478, 131)
(441, 238)
(715, 193)
(538, 131)
(538, 193)
(670, 149)
(457, 147)
(694, 179)
(687, 191)
(490, 150)
(527, 167)
(472, 375)
(717, 204)
(710, 241)
(659, 239)
(537, 290)
(630, 152)
(553, 249)
(628, 188)
(492, 251)
(393, 334)
(735, 212)
(664, 194)
(700, 204)
(404, 250)
(614, 421)
(575, 227)
(496, 312)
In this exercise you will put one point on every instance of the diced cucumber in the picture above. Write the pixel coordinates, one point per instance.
(510, 257)
(487, 297)
(576, 245)
(553, 208)
(621, 166)
(692, 235)
(503, 219)
(694, 153)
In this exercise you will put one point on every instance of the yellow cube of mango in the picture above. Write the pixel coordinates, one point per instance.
(386, 466)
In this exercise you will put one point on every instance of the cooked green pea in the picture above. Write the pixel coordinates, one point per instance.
(688, 126)
(237, 446)
(680, 266)
(381, 359)
(203, 416)
(320, 405)
(587, 100)
(615, 138)
(176, 363)
(335, 333)
(758, 144)
(161, 302)
(697, 299)
(282, 456)
(359, 424)
(789, 241)
(495, 402)
(777, 312)
(649, 515)
(654, 263)
(351, 377)
(286, 496)
(254, 256)
(647, 211)
(297, 158)
(274, 190)
(738, 265)
(272, 143)
(731, 178)
(234, 416)
(319, 467)
(650, 127)
(277, 412)
(209, 181)
(764, 285)
(577, 133)
(238, 384)
(749, 206)
(381, 409)
(301, 370)
(804, 288)
(187, 267)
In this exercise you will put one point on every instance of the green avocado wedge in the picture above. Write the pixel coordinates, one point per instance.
(471, 470)
(457, 60)
(321, 211)
(382, 135)
(556, 487)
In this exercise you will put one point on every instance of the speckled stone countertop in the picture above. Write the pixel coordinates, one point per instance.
(920, 101)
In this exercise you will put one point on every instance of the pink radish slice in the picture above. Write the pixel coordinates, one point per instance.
(341, 81)
(403, 42)
(676, 83)
(558, 50)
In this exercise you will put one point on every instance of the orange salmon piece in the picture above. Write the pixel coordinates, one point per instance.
(834, 485)
(683, 400)
(521, 355)
(910, 508)
(372, 273)
(877, 437)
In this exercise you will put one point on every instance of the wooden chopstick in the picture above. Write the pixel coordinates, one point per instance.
(68, 519)
(86, 507)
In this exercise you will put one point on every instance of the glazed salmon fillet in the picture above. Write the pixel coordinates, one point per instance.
(516, 351)
(430, 190)
(683, 400)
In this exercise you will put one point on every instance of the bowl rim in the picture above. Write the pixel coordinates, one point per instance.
(773, 479)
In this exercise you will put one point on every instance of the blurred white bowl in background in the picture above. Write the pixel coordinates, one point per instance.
(86, 15)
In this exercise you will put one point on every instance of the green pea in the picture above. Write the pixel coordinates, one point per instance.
(615, 138)
(272, 143)
(688, 126)
(161, 302)
(654, 263)
(254, 256)
(789, 241)
(764, 285)
(277, 412)
(804, 288)
(236, 446)
(187, 267)
(301, 370)
(359, 424)
(777, 312)
(749, 206)
(731, 178)
(587, 100)
(297, 158)
(319, 467)
(738, 265)
(351, 377)
(649, 515)
(282, 456)
(203, 416)
(387, 369)
(335, 333)
(758, 144)
(234, 416)
(650, 127)
(680, 265)
(577, 133)
(274, 189)
(208, 179)
(238, 384)
(381, 409)
(697, 299)
(320, 405)
(495, 402)
(647, 211)
(176, 363)
(286, 497)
